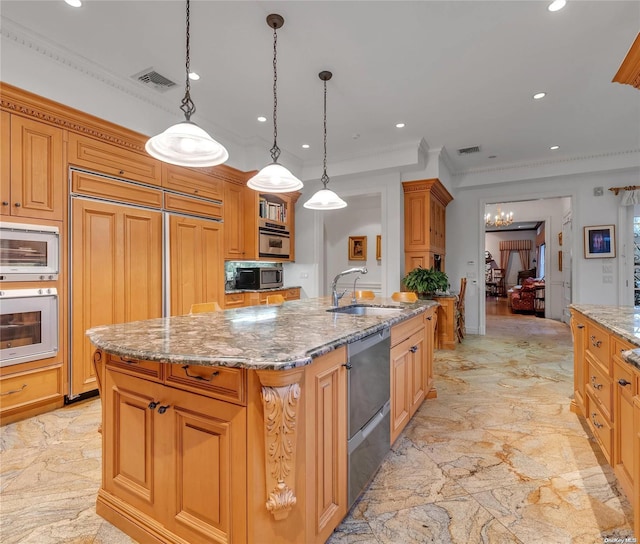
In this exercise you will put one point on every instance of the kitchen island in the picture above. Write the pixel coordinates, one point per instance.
(232, 426)
(606, 342)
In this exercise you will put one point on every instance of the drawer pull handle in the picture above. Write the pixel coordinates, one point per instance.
(5, 203)
(595, 343)
(17, 204)
(129, 361)
(623, 382)
(24, 385)
(348, 366)
(594, 384)
(413, 349)
(201, 378)
(429, 318)
(163, 409)
(580, 326)
(153, 404)
(597, 425)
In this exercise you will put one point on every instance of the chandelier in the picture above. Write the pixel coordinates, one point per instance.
(500, 219)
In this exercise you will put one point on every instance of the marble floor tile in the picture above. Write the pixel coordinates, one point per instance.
(496, 458)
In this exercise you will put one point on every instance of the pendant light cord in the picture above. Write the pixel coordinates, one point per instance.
(275, 150)
(188, 107)
(325, 179)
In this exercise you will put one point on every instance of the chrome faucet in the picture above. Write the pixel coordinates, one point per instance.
(335, 297)
(353, 295)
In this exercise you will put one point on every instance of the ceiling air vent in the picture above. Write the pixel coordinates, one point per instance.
(469, 150)
(153, 79)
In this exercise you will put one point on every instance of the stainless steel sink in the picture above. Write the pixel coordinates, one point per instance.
(361, 309)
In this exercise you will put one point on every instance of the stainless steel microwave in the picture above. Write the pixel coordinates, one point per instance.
(258, 277)
(29, 252)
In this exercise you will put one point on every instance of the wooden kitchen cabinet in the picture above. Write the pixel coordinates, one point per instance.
(196, 263)
(191, 181)
(33, 169)
(235, 300)
(176, 458)
(235, 211)
(425, 203)
(636, 460)
(116, 258)
(326, 443)
(578, 329)
(624, 384)
(446, 338)
(104, 157)
(409, 372)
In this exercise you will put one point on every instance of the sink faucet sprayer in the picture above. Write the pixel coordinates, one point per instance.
(334, 293)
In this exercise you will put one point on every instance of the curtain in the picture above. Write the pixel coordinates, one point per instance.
(523, 247)
(630, 197)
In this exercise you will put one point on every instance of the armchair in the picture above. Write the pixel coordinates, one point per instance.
(522, 300)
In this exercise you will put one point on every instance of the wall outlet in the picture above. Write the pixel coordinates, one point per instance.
(607, 269)
(607, 279)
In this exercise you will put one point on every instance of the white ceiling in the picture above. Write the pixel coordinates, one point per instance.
(458, 73)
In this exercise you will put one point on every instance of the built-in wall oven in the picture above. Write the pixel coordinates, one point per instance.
(28, 325)
(274, 240)
(29, 252)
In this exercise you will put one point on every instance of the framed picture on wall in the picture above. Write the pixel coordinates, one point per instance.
(599, 242)
(357, 248)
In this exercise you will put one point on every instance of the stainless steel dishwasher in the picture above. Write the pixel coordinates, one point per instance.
(369, 407)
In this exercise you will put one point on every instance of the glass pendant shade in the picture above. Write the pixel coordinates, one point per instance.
(186, 144)
(274, 178)
(325, 199)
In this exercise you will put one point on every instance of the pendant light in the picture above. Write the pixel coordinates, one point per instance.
(186, 144)
(274, 178)
(325, 199)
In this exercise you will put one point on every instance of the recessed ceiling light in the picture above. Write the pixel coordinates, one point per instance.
(262, 119)
(554, 147)
(305, 146)
(538, 96)
(557, 5)
(74, 3)
(399, 125)
(193, 76)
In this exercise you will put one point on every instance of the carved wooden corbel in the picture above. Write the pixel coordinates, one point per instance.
(280, 401)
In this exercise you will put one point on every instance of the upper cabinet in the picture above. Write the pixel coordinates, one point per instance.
(32, 183)
(191, 181)
(425, 203)
(104, 157)
(234, 220)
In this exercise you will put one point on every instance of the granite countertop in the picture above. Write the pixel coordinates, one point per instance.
(231, 291)
(622, 320)
(254, 337)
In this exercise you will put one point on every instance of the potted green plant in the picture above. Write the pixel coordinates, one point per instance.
(426, 281)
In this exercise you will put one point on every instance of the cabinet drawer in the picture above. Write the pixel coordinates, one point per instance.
(618, 345)
(25, 389)
(195, 206)
(213, 381)
(599, 385)
(600, 426)
(113, 160)
(191, 182)
(150, 370)
(103, 187)
(624, 379)
(598, 345)
(291, 294)
(403, 330)
(234, 300)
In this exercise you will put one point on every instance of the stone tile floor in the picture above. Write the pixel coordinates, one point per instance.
(496, 458)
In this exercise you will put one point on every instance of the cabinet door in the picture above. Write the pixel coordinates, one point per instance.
(37, 170)
(207, 495)
(5, 163)
(578, 329)
(430, 319)
(418, 380)
(326, 407)
(401, 368)
(234, 221)
(623, 430)
(196, 263)
(416, 221)
(117, 275)
(132, 454)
